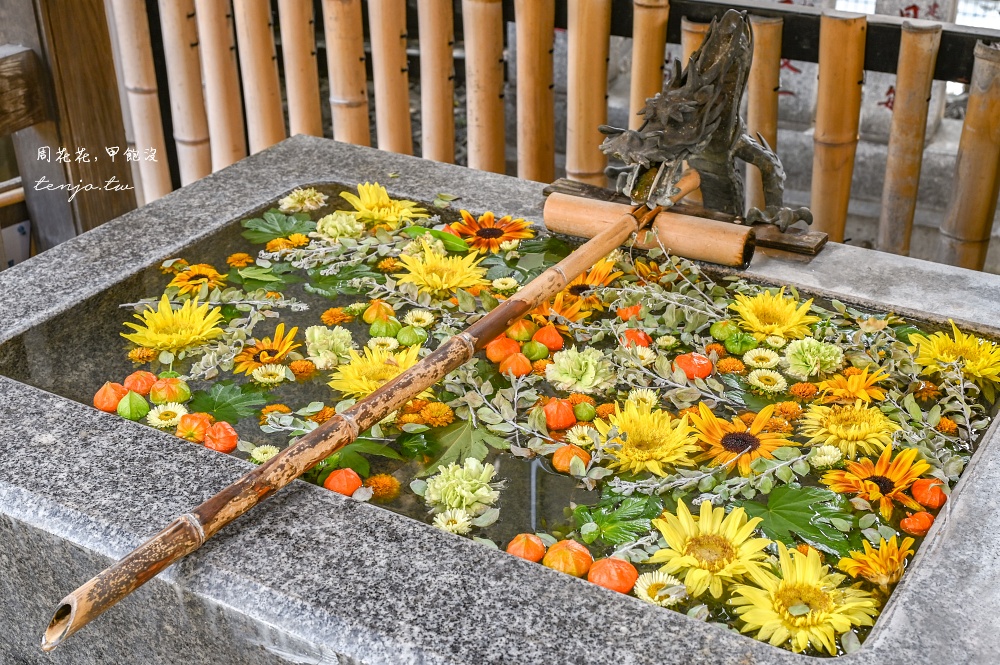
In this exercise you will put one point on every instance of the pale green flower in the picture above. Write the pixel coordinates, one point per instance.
(760, 358)
(810, 357)
(666, 342)
(425, 244)
(261, 454)
(586, 371)
(356, 308)
(775, 341)
(469, 487)
(384, 343)
(455, 520)
(340, 224)
(419, 318)
(302, 200)
(644, 396)
(328, 347)
(509, 245)
(505, 284)
(269, 375)
(579, 435)
(825, 456)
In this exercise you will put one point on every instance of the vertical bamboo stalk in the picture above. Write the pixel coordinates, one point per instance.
(132, 28)
(482, 21)
(298, 53)
(223, 99)
(387, 26)
(589, 27)
(838, 111)
(692, 37)
(259, 70)
(437, 79)
(536, 141)
(649, 39)
(345, 57)
(762, 96)
(116, 53)
(918, 50)
(965, 233)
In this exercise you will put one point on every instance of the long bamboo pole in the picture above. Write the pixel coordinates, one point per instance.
(259, 69)
(965, 233)
(483, 26)
(437, 79)
(298, 53)
(692, 37)
(918, 48)
(345, 57)
(649, 40)
(223, 99)
(536, 140)
(838, 112)
(132, 28)
(387, 25)
(762, 95)
(589, 31)
(190, 531)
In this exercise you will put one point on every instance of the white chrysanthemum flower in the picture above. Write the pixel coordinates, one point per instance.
(383, 343)
(302, 200)
(775, 341)
(328, 347)
(339, 224)
(642, 355)
(825, 456)
(509, 245)
(269, 375)
(586, 371)
(419, 318)
(659, 588)
(644, 396)
(455, 520)
(357, 308)
(422, 245)
(505, 284)
(767, 380)
(469, 487)
(761, 358)
(261, 454)
(666, 342)
(579, 435)
(166, 415)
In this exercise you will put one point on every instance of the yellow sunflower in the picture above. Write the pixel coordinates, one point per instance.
(849, 427)
(773, 314)
(734, 443)
(711, 550)
(175, 330)
(582, 289)
(374, 206)
(365, 374)
(980, 358)
(882, 481)
(803, 606)
(190, 280)
(487, 233)
(266, 351)
(442, 276)
(883, 566)
(860, 386)
(650, 272)
(549, 312)
(648, 439)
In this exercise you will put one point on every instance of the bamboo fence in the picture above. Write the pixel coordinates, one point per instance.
(345, 57)
(692, 37)
(649, 41)
(298, 54)
(387, 26)
(589, 30)
(259, 70)
(762, 96)
(536, 141)
(223, 99)
(437, 79)
(483, 26)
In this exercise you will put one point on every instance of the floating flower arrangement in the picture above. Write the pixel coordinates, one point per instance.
(747, 455)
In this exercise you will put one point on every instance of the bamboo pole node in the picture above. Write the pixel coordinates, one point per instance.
(196, 526)
(352, 423)
(470, 342)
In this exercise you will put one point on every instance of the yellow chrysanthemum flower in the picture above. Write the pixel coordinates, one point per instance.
(710, 551)
(648, 439)
(365, 374)
(847, 389)
(442, 276)
(175, 330)
(734, 444)
(374, 206)
(849, 427)
(880, 482)
(883, 566)
(804, 606)
(773, 314)
(980, 358)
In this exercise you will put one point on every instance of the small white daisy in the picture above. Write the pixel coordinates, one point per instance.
(579, 435)
(642, 355)
(825, 456)
(419, 318)
(166, 415)
(269, 375)
(659, 588)
(761, 358)
(454, 520)
(774, 341)
(261, 454)
(644, 396)
(505, 284)
(767, 380)
(302, 200)
(383, 343)
(666, 342)
(509, 245)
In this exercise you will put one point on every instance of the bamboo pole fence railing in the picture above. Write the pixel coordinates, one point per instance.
(259, 69)
(387, 23)
(484, 84)
(536, 133)
(298, 54)
(762, 96)
(649, 41)
(436, 19)
(589, 28)
(345, 57)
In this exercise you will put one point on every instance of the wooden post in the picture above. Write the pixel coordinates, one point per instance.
(649, 39)
(74, 105)
(483, 26)
(187, 103)
(298, 53)
(838, 110)
(692, 37)
(345, 58)
(918, 50)
(387, 25)
(965, 233)
(762, 96)
(437, 79)
(259, 71)
(536, 141)
(223, 99)
(589, 27)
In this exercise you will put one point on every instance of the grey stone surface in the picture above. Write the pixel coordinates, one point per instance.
(310, 577)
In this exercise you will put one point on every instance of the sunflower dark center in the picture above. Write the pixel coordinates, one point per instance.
(579, 289)
(740, 442)
(489, 233)
(885, 486)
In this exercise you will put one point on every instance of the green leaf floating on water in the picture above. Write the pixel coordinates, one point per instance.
(334, 286)
(811, 513)
(227, 401)
(617, 525)
(459, 441)
(274, 224)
